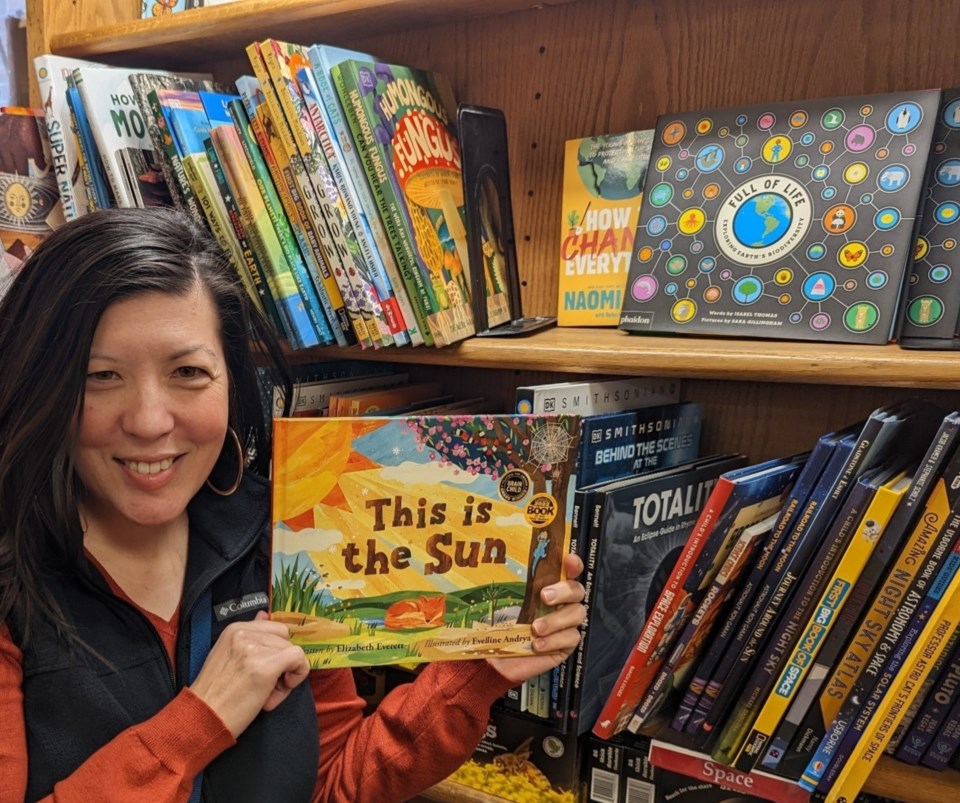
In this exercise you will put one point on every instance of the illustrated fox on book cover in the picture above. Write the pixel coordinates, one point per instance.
(418, 538)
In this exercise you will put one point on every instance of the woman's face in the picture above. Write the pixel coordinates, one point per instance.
(156, 408)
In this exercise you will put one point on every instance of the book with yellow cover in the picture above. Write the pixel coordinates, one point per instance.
(602, 188)
(418, 538)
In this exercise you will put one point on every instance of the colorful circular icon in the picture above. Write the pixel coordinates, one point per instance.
(711, 191)
(820, 172)
(828, 193)
(784, 299)
(540, 510)
(852, 255)
(948, 172)
(741, 140)
(904, 117)
(712, 294)
(707, 264)
(826, 147)
(644, 287)
(783, 276)
(742, 165)
(859, 138)
(887, 218)
(645, 254)
(776, 149)
(704, 126)
(947, 212)
(696, 247)
(921, 248)
(877, 279)
(709, 158)
(798, 118)
(832, 119)
(691, 220)
(818, 286)
(673, 132)
(687, 194)
(940, 273)
(747, 290)
(839, 218)
(881, 154)
(682, 174)
(676, 265)
(819, 321)
(766, 121)
(661, 194)
(684, 310)
(951, 114)
(925, 310)
(656, 225)
(855, 173)
(850, 285)
(808, 138)
(663, 163)
(893, 178)
(861, 317)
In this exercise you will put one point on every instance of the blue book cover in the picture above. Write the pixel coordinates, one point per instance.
(91, 153)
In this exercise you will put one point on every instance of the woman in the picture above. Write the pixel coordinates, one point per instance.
(133, 536)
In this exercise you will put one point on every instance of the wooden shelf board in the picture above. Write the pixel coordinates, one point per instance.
(610, 351)
(223, 31)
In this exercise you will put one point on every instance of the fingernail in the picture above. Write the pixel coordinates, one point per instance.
(549, 596)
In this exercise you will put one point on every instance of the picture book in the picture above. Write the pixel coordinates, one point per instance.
(418, 538)
(616, 445)
(99, 195)
(603, 179)
(887, 492)
(791, 220)
(928, 639)
(312, 399)
(596, 396)
(120, 132)
(785, 755)
(637, 529)
(921, 556)
(690, 712)
(402, 121)
(52, 72)
(739, 498)
(322, 58)
(933, 291)
(30, 205)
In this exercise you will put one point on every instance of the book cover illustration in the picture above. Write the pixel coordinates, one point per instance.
(602, 187)
(933, 290)
(789, 220)
(30, 205)
(420, 538)
(132, 167)
(406, 116)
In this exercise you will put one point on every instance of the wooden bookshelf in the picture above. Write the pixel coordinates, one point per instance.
(564, 69)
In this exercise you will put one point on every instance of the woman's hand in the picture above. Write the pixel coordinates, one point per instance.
(556, 634)
(252, 667)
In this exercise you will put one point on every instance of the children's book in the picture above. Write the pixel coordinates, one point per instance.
(596, 396)
(933, 291)
(132, 168)
(602, 186)
(739, 498)
(52, 72)
(418, 538)
(637, 528)
(99, 195)
(30, 205)
(402, 121)
(787, 220)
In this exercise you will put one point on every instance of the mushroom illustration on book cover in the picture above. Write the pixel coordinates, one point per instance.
(418, 538)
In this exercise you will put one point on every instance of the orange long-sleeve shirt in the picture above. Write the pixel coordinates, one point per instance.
(419, 734)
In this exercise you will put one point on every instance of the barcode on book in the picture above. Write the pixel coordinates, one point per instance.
(603, 786)
(639, 791)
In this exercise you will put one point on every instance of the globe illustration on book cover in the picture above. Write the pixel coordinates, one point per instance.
(762, 221)
(788, 220)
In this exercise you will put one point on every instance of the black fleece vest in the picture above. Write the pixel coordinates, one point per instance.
(74, 702)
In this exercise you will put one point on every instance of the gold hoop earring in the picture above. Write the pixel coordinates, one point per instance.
(240, 462)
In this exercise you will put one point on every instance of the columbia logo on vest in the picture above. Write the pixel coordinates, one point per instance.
(233, 607)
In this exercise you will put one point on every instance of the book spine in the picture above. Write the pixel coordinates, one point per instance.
(282, 284)
(299, 139)
(861, 701)
(95, 182)
(356, 175)
(735, 744)
(774, 594)
(933, 713)
(51, 87)
(918, 656)
(916, 564)
(825, 614)
(391, 214)
(946, 741)
(313, 109)
(691, 712)
(291, 244)
(255, 269)
(785, 755)
(344, 321)
(671, 607)
(165, 146)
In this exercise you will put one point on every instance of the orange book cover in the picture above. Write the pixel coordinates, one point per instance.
(418, 538)
(366, 402)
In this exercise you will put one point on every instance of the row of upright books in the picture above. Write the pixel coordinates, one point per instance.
(828, 219)
(808, 623)
(332, 179)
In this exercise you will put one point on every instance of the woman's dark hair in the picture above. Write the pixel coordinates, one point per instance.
(47, 322)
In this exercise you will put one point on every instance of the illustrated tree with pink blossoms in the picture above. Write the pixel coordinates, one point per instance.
(543, 447)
